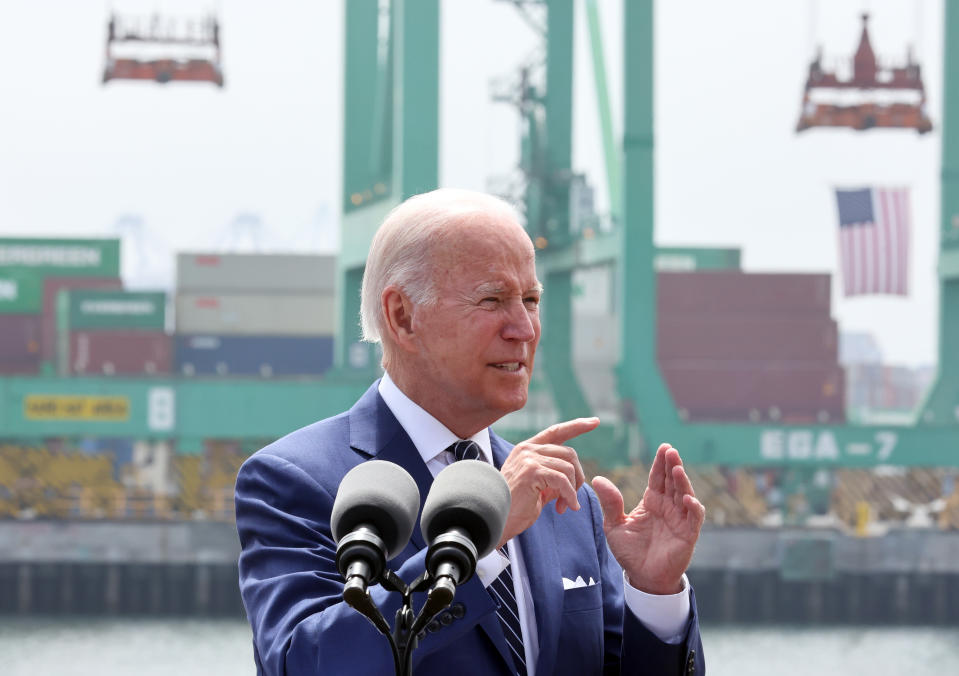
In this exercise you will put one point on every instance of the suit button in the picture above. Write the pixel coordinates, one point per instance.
(691, 663)
(458, 610)
(446, 618)
(433, 626)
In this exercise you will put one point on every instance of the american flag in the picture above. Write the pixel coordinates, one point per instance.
(874, 240)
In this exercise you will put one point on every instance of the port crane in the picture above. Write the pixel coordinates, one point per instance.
(390, 153)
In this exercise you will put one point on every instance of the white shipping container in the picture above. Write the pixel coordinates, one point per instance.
(255, 273)
(262, 314)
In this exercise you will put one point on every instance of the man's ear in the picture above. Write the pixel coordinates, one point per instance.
(398, 310)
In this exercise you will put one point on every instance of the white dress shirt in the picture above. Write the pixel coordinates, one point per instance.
(665, 616)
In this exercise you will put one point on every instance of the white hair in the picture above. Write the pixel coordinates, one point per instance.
(402, 248)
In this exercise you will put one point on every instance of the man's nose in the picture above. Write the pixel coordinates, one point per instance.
(520, 323)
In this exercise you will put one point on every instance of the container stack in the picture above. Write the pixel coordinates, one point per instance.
(262, 315)
(20, 308)
(52, 288)
(112, 332)
(743, 347)
(32, 272)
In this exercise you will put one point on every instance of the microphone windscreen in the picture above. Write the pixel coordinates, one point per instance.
(381, 494)
(472, 495)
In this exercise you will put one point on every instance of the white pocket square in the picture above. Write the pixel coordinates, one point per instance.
(578, 582)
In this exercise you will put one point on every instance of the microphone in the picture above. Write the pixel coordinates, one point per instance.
(373, 517)
(462, 520)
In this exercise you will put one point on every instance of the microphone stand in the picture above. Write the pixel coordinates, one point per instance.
(403, 637)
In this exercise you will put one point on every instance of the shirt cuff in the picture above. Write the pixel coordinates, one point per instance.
(667, 616)
(490, 566)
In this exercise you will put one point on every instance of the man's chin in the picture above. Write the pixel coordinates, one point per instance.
(513, 404)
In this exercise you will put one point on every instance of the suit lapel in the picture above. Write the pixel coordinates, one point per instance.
(376, 432)
(541, 560)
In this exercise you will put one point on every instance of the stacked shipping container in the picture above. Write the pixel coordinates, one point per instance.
(737, 347)
(32, 271)
(255, 314)
(113, 332)
(52, 288)
(731, 346)
(21, 301)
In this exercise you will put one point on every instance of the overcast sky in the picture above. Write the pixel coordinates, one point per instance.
(187, 160)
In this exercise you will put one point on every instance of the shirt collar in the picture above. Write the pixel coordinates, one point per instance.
(429, 435)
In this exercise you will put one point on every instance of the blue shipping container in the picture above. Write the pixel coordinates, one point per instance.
(266, 356)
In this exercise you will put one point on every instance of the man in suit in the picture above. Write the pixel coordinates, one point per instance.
(577, 586)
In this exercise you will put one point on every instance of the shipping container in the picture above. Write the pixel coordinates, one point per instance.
(687, 259)
(62, 257)
(255, 314)
(735, 294)
(51, 287)
(19, 344)
(266, 356)
(791, 392)
(122, 352)
(741, 338)
(84, 309)
(255, 273)
(21, 292)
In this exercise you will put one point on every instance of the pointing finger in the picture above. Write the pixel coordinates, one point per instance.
(562, 432)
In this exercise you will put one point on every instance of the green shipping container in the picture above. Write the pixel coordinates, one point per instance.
(61, 257)
(21, 292)
(111, 309)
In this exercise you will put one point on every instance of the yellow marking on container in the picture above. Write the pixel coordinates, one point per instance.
(69, 407)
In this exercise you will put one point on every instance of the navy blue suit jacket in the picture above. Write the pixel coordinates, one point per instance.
(292, 590)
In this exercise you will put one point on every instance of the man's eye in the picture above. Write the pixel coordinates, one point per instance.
(490, 299)
(531, 302)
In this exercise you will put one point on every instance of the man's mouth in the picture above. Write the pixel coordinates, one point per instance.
(509, 366)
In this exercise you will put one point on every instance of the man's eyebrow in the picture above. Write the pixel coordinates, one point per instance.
(497, 289)
(490, 289)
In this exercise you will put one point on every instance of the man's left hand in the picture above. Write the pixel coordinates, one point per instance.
(654, 543)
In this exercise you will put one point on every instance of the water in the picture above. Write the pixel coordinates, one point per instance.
(124, 647)
(801, 651)
(80, 647)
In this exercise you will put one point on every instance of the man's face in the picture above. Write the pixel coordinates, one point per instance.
(476, 344)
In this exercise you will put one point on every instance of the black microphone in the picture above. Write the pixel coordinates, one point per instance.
(463, 519)
(373, 517)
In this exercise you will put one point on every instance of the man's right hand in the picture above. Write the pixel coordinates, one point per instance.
(541, 469)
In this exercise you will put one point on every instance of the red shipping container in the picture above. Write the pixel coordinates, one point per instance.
(19, 344)
(733, 293)
(749, 391)
(766, 338)
(120, 352)
(51, 286)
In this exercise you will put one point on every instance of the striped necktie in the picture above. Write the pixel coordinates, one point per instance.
(464, 449)
(501, 589)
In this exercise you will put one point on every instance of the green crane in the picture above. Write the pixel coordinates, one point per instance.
(391, 103)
